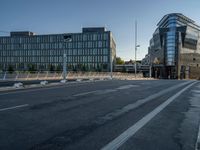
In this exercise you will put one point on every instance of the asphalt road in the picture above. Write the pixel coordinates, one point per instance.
(125, 115)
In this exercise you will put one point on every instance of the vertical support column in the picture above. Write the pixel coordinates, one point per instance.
(4, 77)
(17, 76)
(37, 75)
(149, 65)
(178, 66)
(54, 77)
(27, 76)
(47, 75)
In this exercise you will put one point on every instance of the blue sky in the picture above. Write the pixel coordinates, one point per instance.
(58, 16)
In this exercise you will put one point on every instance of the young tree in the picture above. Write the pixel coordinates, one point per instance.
(31, 68)
(51, 68)
(105, 66)
(124, 69)
(10, 69)
(59, 68)
(119, 61)
(99, 68)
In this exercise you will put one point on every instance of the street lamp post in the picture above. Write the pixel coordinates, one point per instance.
(111, 65)
(64, 66)
(136, 46)
(136, 59)
(149, 65)
(66, 38)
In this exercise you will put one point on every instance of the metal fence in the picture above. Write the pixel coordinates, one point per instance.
(21, 76)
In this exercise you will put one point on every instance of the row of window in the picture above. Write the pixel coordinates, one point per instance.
(172, 22)
(170, 55)
(170, 63)
(172, 33)
(55, 38)
(171, 44)
(170, 52)
(75, 52)
(83, 59)
(95, 44)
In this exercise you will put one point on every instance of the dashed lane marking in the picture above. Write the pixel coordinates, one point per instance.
(14, 107)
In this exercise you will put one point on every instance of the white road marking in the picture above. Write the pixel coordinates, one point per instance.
(196, 91)
(136, 104)
(85, 93)
(106, 91)
(121, 139)
(126, 87)
(14, 107)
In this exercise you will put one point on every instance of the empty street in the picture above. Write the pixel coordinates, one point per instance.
(113, 114)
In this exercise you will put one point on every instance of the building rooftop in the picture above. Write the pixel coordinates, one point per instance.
(29, 33)
(21, 33)
(178, 15)
(94, 29)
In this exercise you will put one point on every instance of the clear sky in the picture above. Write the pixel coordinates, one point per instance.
(58, 16)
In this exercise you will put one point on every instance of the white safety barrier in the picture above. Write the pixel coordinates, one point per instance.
(44, 83)
(18, 85)
(79, 80)
(63, 81)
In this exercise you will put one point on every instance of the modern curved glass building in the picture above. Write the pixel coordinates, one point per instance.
(174, 50)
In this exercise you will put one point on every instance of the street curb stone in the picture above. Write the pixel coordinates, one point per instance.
(197, 147)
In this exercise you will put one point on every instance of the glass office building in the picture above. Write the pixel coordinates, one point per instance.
(175, 47)
(92, 50)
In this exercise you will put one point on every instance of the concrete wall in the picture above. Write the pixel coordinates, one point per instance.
(194, 72)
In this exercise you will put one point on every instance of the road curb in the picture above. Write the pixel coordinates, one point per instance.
(197, 146)
(31, 86)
